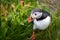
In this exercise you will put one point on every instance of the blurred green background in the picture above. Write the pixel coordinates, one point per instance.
(14, 14)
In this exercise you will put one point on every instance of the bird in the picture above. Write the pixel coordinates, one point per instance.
(41, 20)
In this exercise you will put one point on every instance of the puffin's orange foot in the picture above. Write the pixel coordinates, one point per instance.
(33, 37)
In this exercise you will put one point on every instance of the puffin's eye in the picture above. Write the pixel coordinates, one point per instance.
(35, 14)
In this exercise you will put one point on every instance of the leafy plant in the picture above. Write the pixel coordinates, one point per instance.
(14, 25)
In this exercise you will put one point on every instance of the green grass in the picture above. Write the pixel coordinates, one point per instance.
(14, 25)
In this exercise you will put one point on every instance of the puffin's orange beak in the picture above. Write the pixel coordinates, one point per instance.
(30, 20)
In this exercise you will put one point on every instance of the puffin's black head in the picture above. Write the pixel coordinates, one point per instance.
(36, 10)
(35, 14)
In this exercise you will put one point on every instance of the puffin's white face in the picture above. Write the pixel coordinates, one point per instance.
(36, 15)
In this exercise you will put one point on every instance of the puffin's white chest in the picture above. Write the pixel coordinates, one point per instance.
(42, 24)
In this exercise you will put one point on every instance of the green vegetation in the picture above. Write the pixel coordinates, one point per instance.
(14, 25)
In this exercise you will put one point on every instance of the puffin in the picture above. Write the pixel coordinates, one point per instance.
(41, 20)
